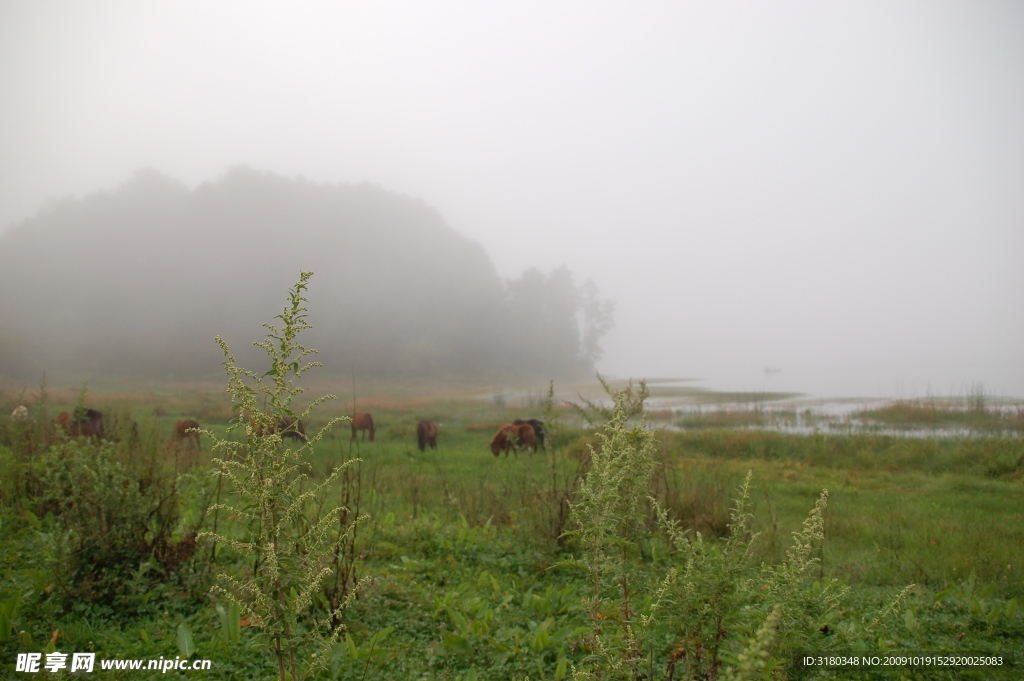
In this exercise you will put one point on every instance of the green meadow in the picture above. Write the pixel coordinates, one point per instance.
(636, 544)
(465, 565)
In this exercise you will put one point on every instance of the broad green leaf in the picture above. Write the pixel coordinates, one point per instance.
(459, 620)
(380, 636)
(560, 669)
(186, 646)
(457, 642)
(353, 652)
(234, 628)
(32, 520)
(913, 626)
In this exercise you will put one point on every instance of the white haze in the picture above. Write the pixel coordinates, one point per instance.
(834, 190)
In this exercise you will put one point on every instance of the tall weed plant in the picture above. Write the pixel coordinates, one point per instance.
(610, 519)
(292, 540)
(713, 614)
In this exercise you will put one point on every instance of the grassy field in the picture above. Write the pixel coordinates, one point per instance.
(465, 565)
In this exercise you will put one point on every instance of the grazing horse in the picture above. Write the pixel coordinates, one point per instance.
(20, 414)
(83, 422)
(500, 441)
(426, 434)
(182, 428)
(511, 436)
(286, 426)
(526, 436)
(363, 421)
(538, 429)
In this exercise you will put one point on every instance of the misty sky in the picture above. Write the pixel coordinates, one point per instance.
(834, 190)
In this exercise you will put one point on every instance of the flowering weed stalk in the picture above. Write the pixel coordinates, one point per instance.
(292, 551)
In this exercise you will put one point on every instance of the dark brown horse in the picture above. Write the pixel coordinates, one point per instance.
(286, 426)
(82, 422)
(364, 422)
(538, 430)
(426, 434)
(182, 428)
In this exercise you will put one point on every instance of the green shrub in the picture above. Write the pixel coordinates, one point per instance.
(111, 517)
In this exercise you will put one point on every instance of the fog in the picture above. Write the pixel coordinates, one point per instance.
(135, 283)
(834, 192)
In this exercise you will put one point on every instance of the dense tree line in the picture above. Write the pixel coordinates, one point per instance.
(138, 281)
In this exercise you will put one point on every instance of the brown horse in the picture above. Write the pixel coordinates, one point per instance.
(82, 422)
(511, 436)
(182, 428)
(526, 435)
(286, 426)
(538, 430)
(500, 442)
(426, 434)
(363, 421)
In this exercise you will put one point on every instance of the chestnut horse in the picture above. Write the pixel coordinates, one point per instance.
(500, 441)
(538, 430)
(286, 426)
(182, 428)
(513, 436)
(82, 423)
(363, 421)
(426, 434)
(526, 436)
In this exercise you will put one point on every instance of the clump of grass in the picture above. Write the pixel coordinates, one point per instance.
(750, 397)
(696, 494)
(632, 399)
(986, 456)
(937, 414)
(723, 418)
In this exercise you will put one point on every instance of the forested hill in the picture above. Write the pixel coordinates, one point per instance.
(138, 282)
